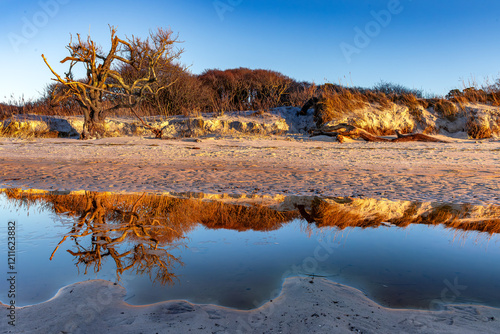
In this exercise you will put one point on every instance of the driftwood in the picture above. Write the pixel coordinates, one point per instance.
(351, 131)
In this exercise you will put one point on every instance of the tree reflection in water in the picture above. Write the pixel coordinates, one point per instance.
(125, 228)
(110, 227)
(139, 232)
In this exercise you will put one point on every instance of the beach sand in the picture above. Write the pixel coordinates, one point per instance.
(458, 172)
(304, 306)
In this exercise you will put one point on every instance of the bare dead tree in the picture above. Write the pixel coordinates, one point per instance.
(104, 89)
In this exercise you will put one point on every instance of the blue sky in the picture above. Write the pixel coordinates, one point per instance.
(429, 45)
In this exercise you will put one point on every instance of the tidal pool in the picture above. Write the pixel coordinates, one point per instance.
(161, 249)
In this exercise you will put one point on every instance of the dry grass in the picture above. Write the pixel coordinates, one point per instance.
(25, 130)
(168, 219)
(340, 216)
(116, 210)
(384, 101)
(414, 104)
(44, 107)
(489, 95)
(446, 109)
(409, 100)
(337, 101)
(334, 103)
(478, 130)
(241, 218)
(180, 215)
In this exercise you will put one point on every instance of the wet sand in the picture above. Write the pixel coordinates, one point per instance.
(304, 306)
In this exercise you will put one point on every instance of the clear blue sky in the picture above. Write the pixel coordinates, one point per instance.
(423, 44)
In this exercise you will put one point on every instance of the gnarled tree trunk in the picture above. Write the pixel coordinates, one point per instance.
(94, 125)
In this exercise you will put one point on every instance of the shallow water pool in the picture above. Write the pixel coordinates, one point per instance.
(160, 256)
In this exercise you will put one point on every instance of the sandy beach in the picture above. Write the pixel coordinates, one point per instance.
(459, 172)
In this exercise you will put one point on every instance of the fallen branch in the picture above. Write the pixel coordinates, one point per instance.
(351, 131)
(156, 131)
(416, 137)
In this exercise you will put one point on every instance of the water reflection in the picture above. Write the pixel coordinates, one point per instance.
(138, 232)
(354, 212)
(145, 239)
(230, 261)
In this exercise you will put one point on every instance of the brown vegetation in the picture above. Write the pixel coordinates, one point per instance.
(138, 232)
(336, 101)
(486, 95)
(246, 89)
(165, 220)
(118, 230)
(445, 108)
(476, 129)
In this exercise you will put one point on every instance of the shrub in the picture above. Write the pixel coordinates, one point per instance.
(477, 129)
(300, 93)
(487, 95)
(186, 96)
(246, 89)
(396, 89)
